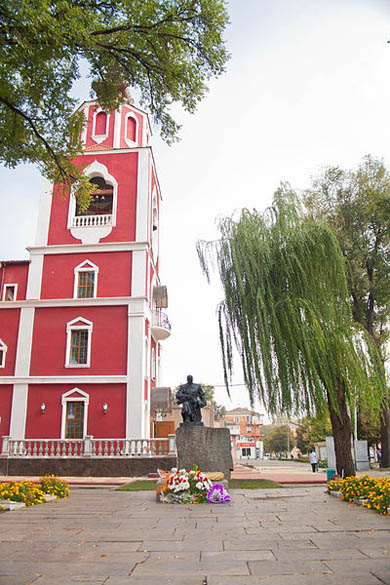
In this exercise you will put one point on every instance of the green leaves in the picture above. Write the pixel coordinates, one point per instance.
(286, 307)
(167, 49)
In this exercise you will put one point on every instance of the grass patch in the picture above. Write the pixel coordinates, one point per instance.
(234, 484)
(252, 484)
(138, 485)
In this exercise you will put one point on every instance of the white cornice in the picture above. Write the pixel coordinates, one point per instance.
(89, 248)
(115, 150)
(88, 302)
(79, 379)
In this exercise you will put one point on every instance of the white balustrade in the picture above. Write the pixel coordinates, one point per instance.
(91, 220)
(88, 447)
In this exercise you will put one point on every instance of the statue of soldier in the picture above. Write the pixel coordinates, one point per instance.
(192, 398)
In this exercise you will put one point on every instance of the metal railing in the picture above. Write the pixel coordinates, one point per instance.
(160, 319)
(88, 447)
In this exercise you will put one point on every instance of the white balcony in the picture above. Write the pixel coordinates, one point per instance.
(161, 327)
(91, 220)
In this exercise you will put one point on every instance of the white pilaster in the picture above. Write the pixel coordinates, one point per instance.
(23, 350)
(117, 128)
(34, 282)
(135, 419)
(138, 277)
(42, 232)
(143, 189)
(22, 368)
(18, 411)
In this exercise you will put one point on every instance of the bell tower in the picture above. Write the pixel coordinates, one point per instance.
(91, 323)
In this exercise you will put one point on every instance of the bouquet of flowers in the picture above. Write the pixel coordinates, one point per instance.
(180, 486)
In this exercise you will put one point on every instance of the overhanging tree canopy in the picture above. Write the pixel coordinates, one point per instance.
(168, 49)
(286, 308)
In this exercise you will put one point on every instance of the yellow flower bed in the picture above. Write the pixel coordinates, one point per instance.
(26, 492)
(375, 491)
(55, 486)
(30, 493)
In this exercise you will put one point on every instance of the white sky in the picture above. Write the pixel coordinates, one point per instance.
(308, 85)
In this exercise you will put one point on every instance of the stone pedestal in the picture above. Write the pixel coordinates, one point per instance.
(208, 448)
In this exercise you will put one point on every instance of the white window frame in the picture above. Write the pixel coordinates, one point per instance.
(153, 363)
(96, 169)
(127, 140)
(86, 266)
(99, 138)
(8, 285)
(3, 349)
(68, 397)
(74, 326)
(155, 218)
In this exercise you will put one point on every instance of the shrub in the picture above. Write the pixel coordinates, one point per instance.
(50, 484)
(26, 492)
(375, 491)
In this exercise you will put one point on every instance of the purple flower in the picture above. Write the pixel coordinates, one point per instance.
(218, 495)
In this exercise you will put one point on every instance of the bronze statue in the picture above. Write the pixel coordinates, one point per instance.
(192, 398)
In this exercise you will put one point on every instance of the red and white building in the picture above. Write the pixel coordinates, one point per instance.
(81, 320)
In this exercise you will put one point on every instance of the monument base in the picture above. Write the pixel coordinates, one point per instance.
(192, 424)
(208, 448)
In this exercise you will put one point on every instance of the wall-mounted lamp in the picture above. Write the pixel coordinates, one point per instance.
(43, 408)
(105, 408)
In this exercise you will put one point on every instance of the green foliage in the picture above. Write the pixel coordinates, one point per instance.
(368, 426)
(286, 308)
(356, 204)
(53, 485)
(253, 484)
(279, 440)
(312, 429)
(166, 49)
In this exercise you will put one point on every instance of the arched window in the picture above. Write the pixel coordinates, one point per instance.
(78, 343)
(101, 124)
(3, 352)
(101, 200)
(85, 280)
(74, 414)
(153, 364)
(131, 129)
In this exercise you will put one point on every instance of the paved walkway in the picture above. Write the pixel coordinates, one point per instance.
(290, 536)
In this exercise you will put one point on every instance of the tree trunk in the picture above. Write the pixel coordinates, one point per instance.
(342, 432)
(385, 437)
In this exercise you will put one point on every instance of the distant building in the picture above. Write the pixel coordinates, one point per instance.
(244, 426)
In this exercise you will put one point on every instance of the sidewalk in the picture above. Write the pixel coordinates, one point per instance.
(289, 536)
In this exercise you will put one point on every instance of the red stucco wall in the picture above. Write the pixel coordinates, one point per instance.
(109, 340)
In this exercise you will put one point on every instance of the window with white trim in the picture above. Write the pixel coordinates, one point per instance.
(10, 292)
(3, 353)
(131, 129)
(85, 280)
(102, 209)
(100, 124)
(78, 343)
(153, 364)
(101, 199)
(74, 414)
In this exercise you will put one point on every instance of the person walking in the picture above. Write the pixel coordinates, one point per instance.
(313, 460)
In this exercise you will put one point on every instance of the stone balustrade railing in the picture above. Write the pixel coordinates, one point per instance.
(91, 220)
(88, 447)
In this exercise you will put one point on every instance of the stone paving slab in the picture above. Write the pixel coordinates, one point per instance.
(291, 536)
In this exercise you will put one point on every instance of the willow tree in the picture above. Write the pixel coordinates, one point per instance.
(287, 310)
